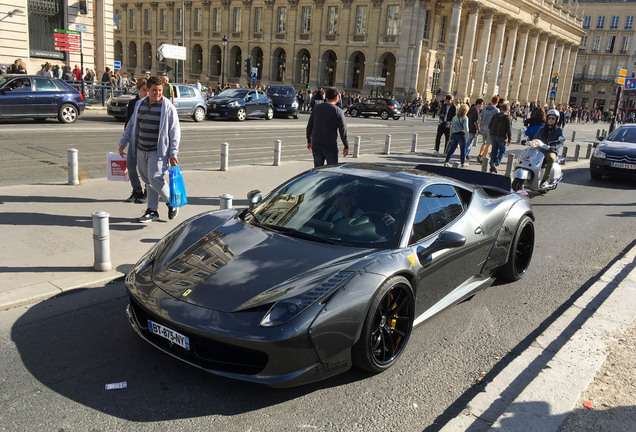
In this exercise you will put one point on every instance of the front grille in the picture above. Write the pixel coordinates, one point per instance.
(205, 353)
(621, 158)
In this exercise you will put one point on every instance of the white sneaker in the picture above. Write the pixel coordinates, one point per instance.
(446, 164)
(436, 153)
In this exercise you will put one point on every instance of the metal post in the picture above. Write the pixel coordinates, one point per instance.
(414, 143)
(509, 163)
(387, 144)
(485, 162)
(589, 151)
(519, 137)
(101, 241)
(356, 147)
(225, 156)
(598, 133)
(564, 153)
(577, 150)
(573, 135)
(226, 201)
(73, 179)
(277, 152)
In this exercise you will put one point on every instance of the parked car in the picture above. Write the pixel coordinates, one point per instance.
(239, 104)
(616, 154)
(331, 269)
(40, 98)
(284, 100)
(383, 107)
(188, 101)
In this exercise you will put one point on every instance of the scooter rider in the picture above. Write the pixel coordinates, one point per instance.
(550, 133)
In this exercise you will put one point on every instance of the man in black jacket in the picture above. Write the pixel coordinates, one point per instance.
(500, 135)
(325, 122)
(446, 114)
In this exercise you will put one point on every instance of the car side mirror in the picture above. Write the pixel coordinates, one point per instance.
(249, 98)
(253, 197)
(601, 138)
(562, 138)
(445, 240)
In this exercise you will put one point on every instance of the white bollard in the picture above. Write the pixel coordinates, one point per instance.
(277, 152)
(226, 201)
(73, 179)
(414, 143)
(101, 241)
(356, 147)
(387, 144)
(225, 156)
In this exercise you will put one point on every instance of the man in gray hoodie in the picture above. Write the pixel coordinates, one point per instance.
(486, 115)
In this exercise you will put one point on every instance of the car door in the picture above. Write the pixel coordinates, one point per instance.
(46, 98)
(252, 104)
(16, 98)
(442, 208)
(187, 100)
(177, 102)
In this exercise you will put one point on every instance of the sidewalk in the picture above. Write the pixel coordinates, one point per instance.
(49, 228)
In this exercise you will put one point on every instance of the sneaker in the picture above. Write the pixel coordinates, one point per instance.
(446, 164)
(132, 197)
(172, 212)
(435, 153)
(479, 160)
(149, 216)
(465, 164)
(141, 198)
(493, 169)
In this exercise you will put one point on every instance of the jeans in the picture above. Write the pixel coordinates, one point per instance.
(457, 140)
(498, 151)
(131, 164)
(324, 154)
(469, 142)
(152, 171)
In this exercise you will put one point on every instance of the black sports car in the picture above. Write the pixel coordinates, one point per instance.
(616, 155)
(331, 269)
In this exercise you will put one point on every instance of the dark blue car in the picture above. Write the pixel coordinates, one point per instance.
(239, 104)
(284, 100)
(39, 98)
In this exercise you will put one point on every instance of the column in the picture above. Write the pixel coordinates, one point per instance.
(563, 69)
(522, 36)
(343, 38)
(413, 77)
(547, 70)
(317, 66)
(187, 41)
(480, 71)
(500, 23)
(467, 52)
(451, 48)
(567, 84)
(537, 70)
(506, 72)
(526, 77)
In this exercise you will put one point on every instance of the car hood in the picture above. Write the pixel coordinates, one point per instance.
(222, 100)
(282, 99)
(618, 148)
(122, 98)
(234, 263)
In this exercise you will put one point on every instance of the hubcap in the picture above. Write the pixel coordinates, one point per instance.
(392, 325)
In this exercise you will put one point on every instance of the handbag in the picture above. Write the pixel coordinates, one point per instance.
(177, 187)
(116, 168)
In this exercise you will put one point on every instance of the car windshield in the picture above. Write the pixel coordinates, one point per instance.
(624, 134)
(234, 93)
(3, 80)
(280, 91)
(338, 208)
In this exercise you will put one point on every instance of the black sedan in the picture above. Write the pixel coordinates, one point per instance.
(239, 104)
(383, 107)
(616, 154)
(39, 97)
(332, 269)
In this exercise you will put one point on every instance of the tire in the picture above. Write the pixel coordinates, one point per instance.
(520, 251)
(396, 117)
(384, 115)
(354, 112)
(241, 114)
(199, 114)
(269, 114)
(517, 184)
(387, 326)
(67, 113)
(595, 175)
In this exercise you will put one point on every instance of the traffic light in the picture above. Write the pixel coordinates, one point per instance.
(248, 66)
(83, 6)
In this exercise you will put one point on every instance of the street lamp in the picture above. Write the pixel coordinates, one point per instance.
(223, 64)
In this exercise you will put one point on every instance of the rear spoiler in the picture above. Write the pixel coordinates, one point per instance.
(474, 178)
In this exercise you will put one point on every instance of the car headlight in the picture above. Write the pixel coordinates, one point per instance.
(295, 104)
(233, 104)
(599, 154)
(285, 310)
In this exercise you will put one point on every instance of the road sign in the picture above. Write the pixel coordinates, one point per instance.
(552, 94)
(117, 64)
(80, 27)
(630, 84)
(172, 51)
(254, 73)
(67, 40)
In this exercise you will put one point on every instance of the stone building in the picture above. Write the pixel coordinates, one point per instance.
(608, 45)
(27, 27)
(466, 48)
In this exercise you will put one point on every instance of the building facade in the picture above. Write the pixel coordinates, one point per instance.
(27, 27)
(609, 44)
(467, 48)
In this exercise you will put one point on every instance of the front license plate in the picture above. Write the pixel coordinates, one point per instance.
(623, 165)
(215, 114)
(280, 109)
(168, 333)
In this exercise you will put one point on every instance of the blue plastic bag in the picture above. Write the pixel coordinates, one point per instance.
(177, 188)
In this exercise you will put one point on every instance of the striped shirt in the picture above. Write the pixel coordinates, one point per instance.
(148, 119)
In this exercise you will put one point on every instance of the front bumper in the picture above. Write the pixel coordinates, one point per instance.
(283, 110)
(222, 111)
(117, 111)
(610, 168)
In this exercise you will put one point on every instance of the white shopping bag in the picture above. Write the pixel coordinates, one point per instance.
(116, 167)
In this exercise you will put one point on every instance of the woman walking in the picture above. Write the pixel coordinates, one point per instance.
(458, 130)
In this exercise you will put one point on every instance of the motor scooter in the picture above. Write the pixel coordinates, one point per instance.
(530, 167)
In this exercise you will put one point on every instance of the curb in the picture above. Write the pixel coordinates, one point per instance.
(538, 389)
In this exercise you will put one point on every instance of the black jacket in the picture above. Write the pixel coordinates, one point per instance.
(452, 112)
(499, 127)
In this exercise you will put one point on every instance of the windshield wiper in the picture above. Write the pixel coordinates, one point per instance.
(293, 232)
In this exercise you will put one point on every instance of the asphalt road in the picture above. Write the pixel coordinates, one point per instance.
(58, 355)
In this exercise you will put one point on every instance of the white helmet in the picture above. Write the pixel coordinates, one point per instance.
(554, 113)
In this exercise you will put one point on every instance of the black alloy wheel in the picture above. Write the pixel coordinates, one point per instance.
(354, 112)
(384, 115)
(520, 251)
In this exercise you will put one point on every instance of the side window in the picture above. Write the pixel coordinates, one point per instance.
(186, 92)
(44, 85)
(252, 95)
(438, 206)
(19, 85)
